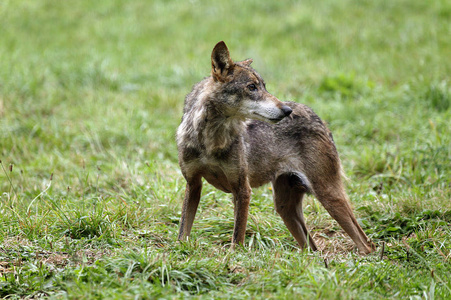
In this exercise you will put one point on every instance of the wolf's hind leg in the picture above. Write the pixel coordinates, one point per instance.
(289, 189)
(333, 197)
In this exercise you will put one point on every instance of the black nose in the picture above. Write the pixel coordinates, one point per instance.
(286, 110)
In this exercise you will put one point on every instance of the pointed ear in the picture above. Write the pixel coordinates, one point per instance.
(221, 63)
(247, 62)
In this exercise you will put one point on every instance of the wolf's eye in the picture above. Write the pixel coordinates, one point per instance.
(252, 87)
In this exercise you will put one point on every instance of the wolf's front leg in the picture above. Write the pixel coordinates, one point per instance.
(189, 208)
(241, 199)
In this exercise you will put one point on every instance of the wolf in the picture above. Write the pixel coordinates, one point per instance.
(238, 136)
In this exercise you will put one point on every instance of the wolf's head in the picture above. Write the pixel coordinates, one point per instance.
(241, 91)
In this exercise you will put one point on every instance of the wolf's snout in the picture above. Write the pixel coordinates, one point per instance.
(286, 110)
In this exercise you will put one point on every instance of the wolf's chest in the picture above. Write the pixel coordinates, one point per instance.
(215, 174)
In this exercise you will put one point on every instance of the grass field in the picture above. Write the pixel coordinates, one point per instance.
(91, 93)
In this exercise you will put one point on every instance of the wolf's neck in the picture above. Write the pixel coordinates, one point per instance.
(205, 124)
(220, 132)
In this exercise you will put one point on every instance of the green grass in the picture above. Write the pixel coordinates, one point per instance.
(91, 93)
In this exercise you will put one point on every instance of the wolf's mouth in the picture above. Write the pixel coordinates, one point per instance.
(272, 120)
